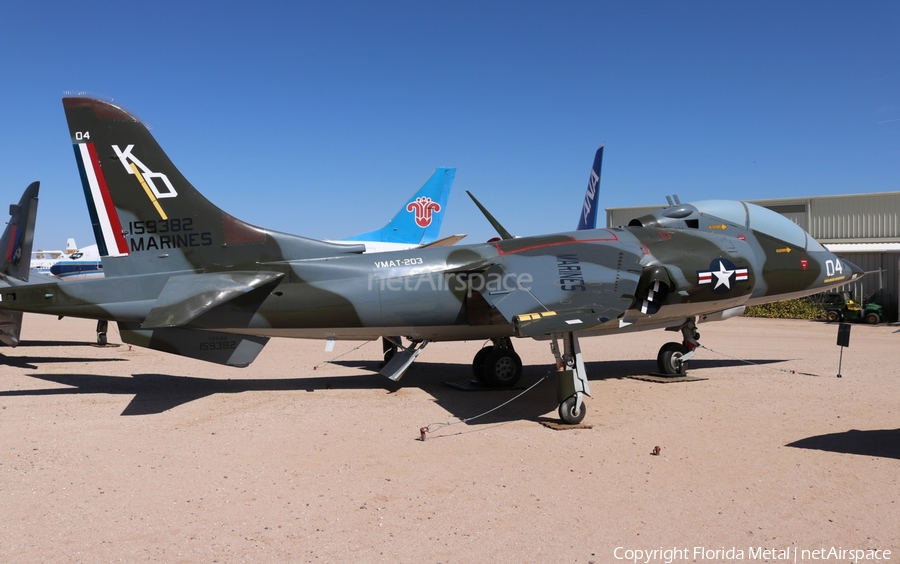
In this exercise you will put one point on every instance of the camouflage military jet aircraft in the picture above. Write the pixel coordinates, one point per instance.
(184, 277)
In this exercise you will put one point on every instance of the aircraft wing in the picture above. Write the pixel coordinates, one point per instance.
(230, 349)
(572, 288)
(446, 241)
(186, 297)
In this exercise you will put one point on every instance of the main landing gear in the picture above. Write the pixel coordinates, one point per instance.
(673, 358)
(571, 378)
(497, 365)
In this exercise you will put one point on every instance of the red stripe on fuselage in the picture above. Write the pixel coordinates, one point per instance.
(609, 239)
(121, 245)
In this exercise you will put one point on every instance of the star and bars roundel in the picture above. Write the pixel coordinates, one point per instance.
(722, 275)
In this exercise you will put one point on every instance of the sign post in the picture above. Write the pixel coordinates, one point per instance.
(843, 340)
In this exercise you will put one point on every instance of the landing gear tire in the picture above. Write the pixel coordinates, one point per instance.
(669, 359)
(872, 318)
(567, 412)
(501, 368)
(478, 363)
(101, 339)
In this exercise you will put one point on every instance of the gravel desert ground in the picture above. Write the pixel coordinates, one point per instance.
(119, 454)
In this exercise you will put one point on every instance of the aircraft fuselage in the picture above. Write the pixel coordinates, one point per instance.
(445, 293)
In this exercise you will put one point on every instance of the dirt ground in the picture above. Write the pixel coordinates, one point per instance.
(114, 454)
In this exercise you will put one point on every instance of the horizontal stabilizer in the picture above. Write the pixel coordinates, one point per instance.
(184, 298)
(212, 346)
(10, 327)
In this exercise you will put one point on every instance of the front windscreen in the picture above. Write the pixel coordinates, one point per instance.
(760, 219)
(731, 211)
(776, 225)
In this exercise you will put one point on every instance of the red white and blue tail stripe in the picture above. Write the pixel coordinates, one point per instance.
(104, 218)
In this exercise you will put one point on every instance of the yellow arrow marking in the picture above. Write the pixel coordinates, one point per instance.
(723, 227)
(784, 250)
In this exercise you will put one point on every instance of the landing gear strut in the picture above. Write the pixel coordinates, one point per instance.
(571, 378)
(673, 358)
(389, 348)
(102, 326)
(497, 365)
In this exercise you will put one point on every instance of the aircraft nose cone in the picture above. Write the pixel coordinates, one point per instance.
(857, 271)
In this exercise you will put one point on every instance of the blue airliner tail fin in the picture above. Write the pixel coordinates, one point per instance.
(419, 220)
(588, 217)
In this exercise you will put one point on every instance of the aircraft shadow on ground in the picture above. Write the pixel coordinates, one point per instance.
(533, 405)
(32, 362)
(884, 443)
(157, 393)
(30, 343)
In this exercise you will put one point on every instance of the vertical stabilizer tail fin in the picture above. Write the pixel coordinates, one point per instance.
(15, 244)
(18, 238)
(419, 220)
(588, 217)
(148, 218)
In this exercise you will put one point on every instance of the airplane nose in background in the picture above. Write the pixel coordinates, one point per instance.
(857, 271)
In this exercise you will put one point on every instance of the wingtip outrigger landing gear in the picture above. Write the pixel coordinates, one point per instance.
(498, 365)
(571, 379)
(673, 358)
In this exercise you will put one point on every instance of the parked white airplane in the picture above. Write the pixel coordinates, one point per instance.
(73, 264)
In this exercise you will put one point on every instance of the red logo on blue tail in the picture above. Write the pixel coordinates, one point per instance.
(423, 207)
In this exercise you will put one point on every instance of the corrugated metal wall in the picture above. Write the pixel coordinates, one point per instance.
(855, 218)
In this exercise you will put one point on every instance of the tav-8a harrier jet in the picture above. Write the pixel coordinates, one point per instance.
(184, 277)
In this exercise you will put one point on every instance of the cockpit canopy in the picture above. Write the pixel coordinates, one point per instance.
(742, 215)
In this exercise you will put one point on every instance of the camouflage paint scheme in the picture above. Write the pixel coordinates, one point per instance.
(185, 277)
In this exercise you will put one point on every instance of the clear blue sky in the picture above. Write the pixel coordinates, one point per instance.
(319, 118)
